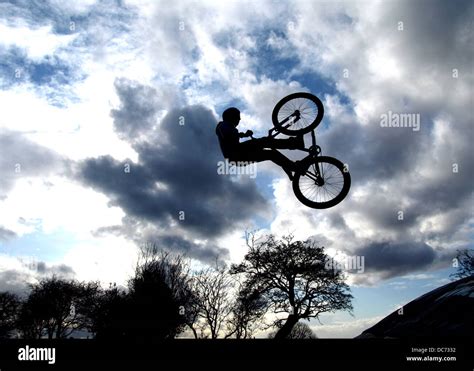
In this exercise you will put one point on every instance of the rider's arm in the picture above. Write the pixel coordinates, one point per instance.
(248, 133)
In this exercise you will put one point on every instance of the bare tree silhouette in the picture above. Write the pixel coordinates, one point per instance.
(213, 287)
(293, 279)
(9, 306)
(247, 313)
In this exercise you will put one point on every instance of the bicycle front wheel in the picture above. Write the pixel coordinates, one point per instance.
(297, 113)
(322, 183)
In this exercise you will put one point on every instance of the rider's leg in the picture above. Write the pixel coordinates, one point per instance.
(280, 159)
(290, 143)
(267, 154)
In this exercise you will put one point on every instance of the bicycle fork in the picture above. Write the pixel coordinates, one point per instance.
(314, 151)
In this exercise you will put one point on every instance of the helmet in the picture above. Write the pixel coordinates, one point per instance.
(231, 114)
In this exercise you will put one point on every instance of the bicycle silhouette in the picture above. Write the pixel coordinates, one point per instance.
(319, 182)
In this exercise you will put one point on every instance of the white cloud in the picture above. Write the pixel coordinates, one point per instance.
(419, 276)
(107, 259)
(37, 43)
(55, 204)
(345, 329)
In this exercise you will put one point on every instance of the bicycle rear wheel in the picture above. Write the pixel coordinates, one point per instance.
(297, 113)
(322, 183)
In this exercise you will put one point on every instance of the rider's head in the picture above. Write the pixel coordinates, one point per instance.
(231, 115)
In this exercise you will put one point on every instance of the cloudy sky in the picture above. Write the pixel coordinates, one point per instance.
(107, 141)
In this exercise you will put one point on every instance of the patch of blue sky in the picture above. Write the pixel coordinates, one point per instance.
(114, 15)
(277, 62)
(40, 246)
(10, 71)
(36, 13)
(343, 19)
(260, 222)
(13, 10)
(220, 91)
(271, 63)
(221, 106)
(195, 54)
(51, 77)
(321, 86)
(70, 25)
(380, 299)
(225, 39)
(389, 296)
(187, 81)
(264, 182)
(265, 60)
(50, 71)
(40, 11)
(117, 19)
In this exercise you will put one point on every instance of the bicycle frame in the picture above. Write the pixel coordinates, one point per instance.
(313, 151)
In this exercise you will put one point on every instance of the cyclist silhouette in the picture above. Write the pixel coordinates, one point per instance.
(256, 149)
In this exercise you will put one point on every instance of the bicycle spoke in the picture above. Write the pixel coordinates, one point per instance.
(308, 113)
(333, 182)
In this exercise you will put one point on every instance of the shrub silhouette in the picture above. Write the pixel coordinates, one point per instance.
(151, 309)
(55, 308)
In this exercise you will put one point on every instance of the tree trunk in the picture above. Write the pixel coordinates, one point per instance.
(50, 329)
(193, 330)
(285, 330)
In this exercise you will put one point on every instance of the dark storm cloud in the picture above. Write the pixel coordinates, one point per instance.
(21, 157)
(140, 106)
(6, 234)
(62, 270)
(17, 281)
(439, 27)
(138, 111)
(13, 281)
(337, 221)
(378, 155)
(208, 252)
(375, 152)
(387, 163)
(391, 259)
(175, 184)
(450, 192)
